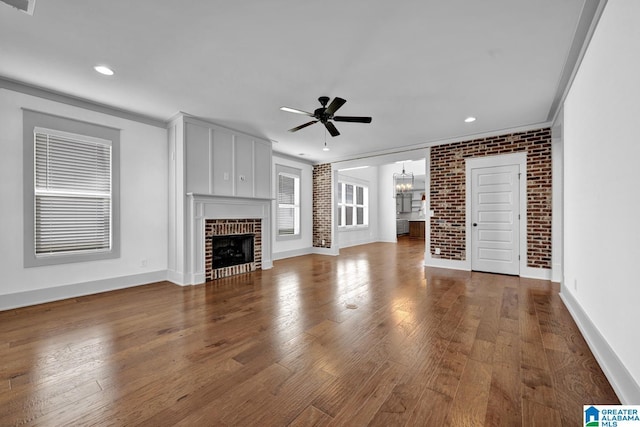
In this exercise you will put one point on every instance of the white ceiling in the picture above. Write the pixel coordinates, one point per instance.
(417, 67)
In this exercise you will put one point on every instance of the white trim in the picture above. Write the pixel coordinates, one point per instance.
(427, 213)
(520, 159)
(357, 242)
(41, 296)
(292, 253)
(405, 150)
(201, 207)
(536, 273)
(451, 264)
(63, 98)
(332, 251)
(386, 240)
(627, 389)
(176, 278)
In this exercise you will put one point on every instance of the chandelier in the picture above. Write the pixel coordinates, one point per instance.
(403, 182)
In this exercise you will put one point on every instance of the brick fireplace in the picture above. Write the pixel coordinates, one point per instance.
(230, 228)
(206, 215)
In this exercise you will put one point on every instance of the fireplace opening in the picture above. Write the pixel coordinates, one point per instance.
(232, 250)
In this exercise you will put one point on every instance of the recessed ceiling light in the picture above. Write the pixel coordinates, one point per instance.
(470, 119)
(103, 69)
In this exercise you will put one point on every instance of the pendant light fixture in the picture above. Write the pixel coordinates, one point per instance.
(325, 148)
(402, 182)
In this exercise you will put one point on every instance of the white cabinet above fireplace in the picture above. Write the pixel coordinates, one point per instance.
(223, 162)
(213, 170)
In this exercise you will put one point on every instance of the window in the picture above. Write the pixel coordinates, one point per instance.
(288, 215)
(353, 205)
(71, 195)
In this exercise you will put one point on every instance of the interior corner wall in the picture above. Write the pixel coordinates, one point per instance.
(322, 209)
(294, 247)
(447, 192)
(601, 195)
(143, 210)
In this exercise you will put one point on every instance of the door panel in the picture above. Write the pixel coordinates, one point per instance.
(494, 215)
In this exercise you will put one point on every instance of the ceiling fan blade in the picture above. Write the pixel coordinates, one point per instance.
(335, 104)
(352, 119)
(295, 110)
(332, 129)
(297, 128)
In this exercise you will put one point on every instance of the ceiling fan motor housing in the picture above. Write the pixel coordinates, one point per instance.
(324, 100)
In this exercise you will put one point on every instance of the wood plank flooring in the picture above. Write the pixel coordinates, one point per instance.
(367, 338)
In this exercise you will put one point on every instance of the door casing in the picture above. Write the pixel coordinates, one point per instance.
(519, 159)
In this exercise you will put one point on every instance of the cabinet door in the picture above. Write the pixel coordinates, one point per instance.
(244, 166)
(197, 155)
(222, 161)
(406, 202)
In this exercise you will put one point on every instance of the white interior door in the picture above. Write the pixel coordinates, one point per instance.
(495, 236)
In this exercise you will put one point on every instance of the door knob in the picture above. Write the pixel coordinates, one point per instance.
(475, 224)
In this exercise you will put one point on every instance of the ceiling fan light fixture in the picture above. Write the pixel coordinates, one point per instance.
(470, 119)
(104, 70)
(325, 148)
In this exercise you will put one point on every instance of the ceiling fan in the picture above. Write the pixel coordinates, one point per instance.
(325, 114)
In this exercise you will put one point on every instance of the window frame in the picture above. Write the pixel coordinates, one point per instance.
(296, 174)
(342, 204)
(35, 119)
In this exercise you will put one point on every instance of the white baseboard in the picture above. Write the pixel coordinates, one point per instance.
(556, 272)
(290, 254)
(326, 251)
(40, 296)
(627, 389)
(536, 273)
(357, 243)
(530, 273)
(177, 278)
(446, 263)
(386, 240)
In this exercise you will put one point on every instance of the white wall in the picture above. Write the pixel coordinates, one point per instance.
(143, 195)
(387, 202)
(288, 248)
(352, 237)
(602, 196)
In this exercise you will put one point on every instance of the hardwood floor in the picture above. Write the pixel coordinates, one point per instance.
(367, 338)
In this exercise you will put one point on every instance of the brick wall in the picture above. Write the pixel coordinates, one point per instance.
(448, 192)
(322, 186)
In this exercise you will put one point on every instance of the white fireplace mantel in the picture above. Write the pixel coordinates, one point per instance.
(201, 207)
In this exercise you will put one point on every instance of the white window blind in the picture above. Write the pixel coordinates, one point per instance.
(73, 193)
(288, 219)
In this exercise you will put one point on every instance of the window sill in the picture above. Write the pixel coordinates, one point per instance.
(353, 227)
